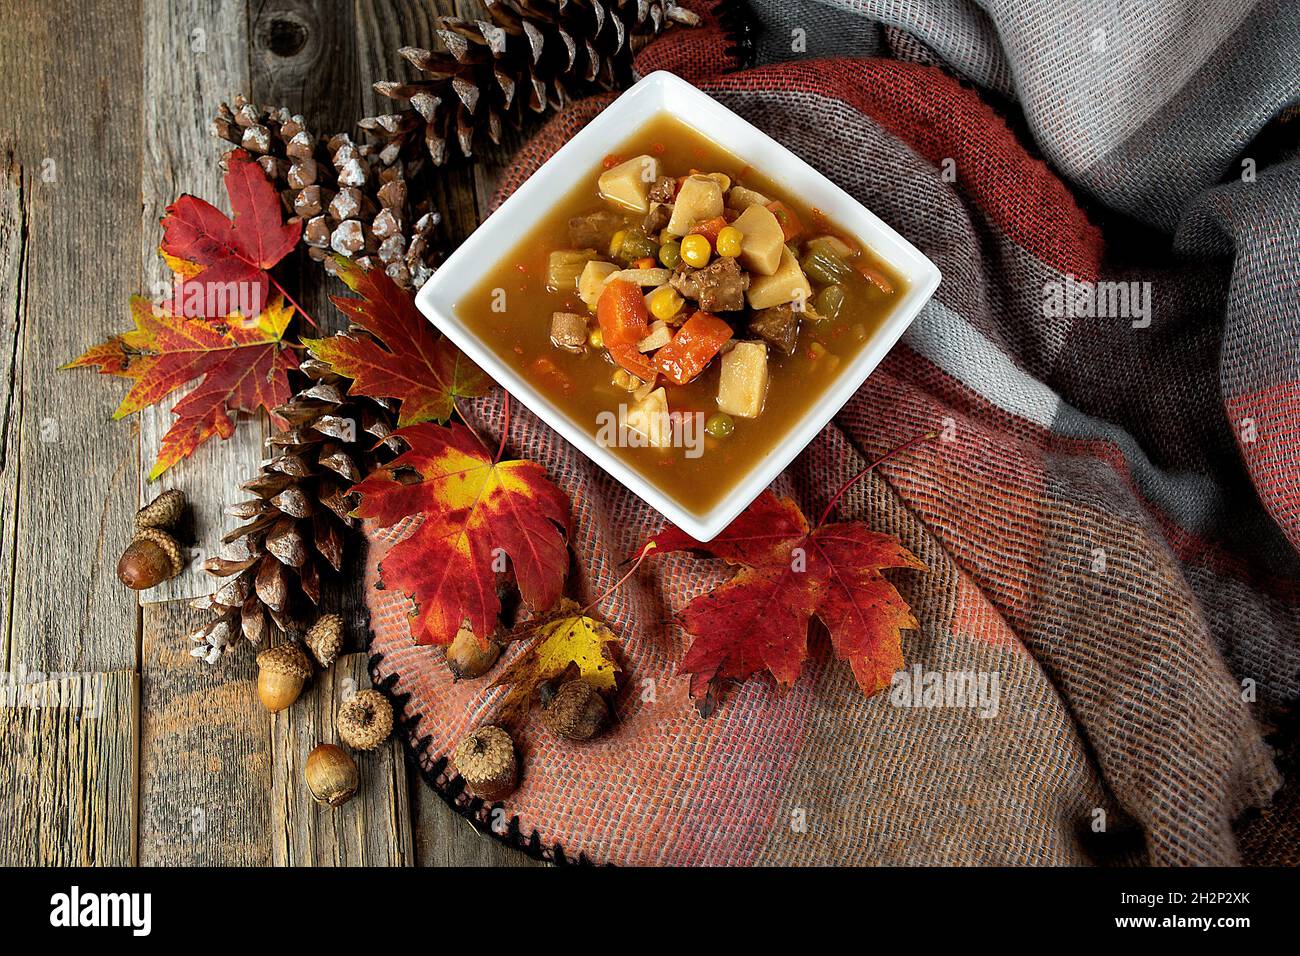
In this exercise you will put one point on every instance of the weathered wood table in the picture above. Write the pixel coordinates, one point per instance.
(104, 120)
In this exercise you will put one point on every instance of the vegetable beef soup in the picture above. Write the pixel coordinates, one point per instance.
(682, 309)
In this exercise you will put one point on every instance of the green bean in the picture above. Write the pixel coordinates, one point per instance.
(829, 301)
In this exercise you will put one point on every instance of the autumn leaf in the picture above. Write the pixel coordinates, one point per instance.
(789, 573)
(477, 513)
(242, 365)
(233, 253)
(404, 356)
(564, 640)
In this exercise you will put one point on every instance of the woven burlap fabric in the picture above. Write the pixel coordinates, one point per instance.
(1098, 534)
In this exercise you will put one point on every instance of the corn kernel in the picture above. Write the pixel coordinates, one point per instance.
(729, 239)
(695, 250)
(616, 243)
(596, 339)
(665, 302)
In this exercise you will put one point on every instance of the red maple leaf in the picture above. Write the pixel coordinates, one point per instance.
(788, 573)
(243, 365)
(403, 357)
(233, 253)
(476, 512)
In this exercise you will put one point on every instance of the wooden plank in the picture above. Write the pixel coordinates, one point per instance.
(374, 827)
(205, 740)
(67, 769)
(13, 250)
(205, 751)
(197, 57)
(72, 100)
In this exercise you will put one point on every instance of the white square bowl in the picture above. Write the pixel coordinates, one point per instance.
(662, 92)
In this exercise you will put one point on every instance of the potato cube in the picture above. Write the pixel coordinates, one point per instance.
(742, 384)
(649, 419)
(762, 240)
(592, 281)
(787, 284)
(741, 198)
(660, 335)
(699, 198)
(642, 277)
(628, 184)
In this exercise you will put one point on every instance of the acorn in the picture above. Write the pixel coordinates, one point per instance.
(152, 557)
(281, 672)
(576, 711)
(486, 762)
(331, 775)
(163, 512)
(467, 658)
(364, 720)
(325, 639)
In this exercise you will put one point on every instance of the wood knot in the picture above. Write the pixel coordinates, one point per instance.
(285, 36)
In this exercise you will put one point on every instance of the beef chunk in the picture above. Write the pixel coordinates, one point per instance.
(656, 218)
(663, 190)
(595, 229)
(718, 287)
(778, 326)
(569, 331)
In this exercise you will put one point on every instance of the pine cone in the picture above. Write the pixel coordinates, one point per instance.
(298, 519)
(354, 200)
(529, 55)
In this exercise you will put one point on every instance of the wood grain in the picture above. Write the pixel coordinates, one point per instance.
(71, 101)
(205, 751)
(13, 250)
(198, 59)
(67, 777)
(374, 827)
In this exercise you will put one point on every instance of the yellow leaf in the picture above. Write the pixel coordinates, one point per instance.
(562, 640)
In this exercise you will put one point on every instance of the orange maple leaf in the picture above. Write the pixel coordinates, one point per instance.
(788, 573)
(243, 366)
(476, 513)
(403, 357)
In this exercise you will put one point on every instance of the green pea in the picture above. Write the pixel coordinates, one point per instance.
(720, 425)
(670, 253)
(596, 339)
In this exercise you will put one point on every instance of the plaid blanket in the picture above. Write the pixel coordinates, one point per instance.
(1110, 519)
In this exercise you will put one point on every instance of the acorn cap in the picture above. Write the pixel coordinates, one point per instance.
(364, 720)
(287, 659)
(325, 639)
(486, 761)
(167, 543)
(163, 512)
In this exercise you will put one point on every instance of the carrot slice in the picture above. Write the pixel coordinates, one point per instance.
(709, 229)
(692, 348)
(622, 314)
(875, 277)
(791, 227)
(628, 357)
